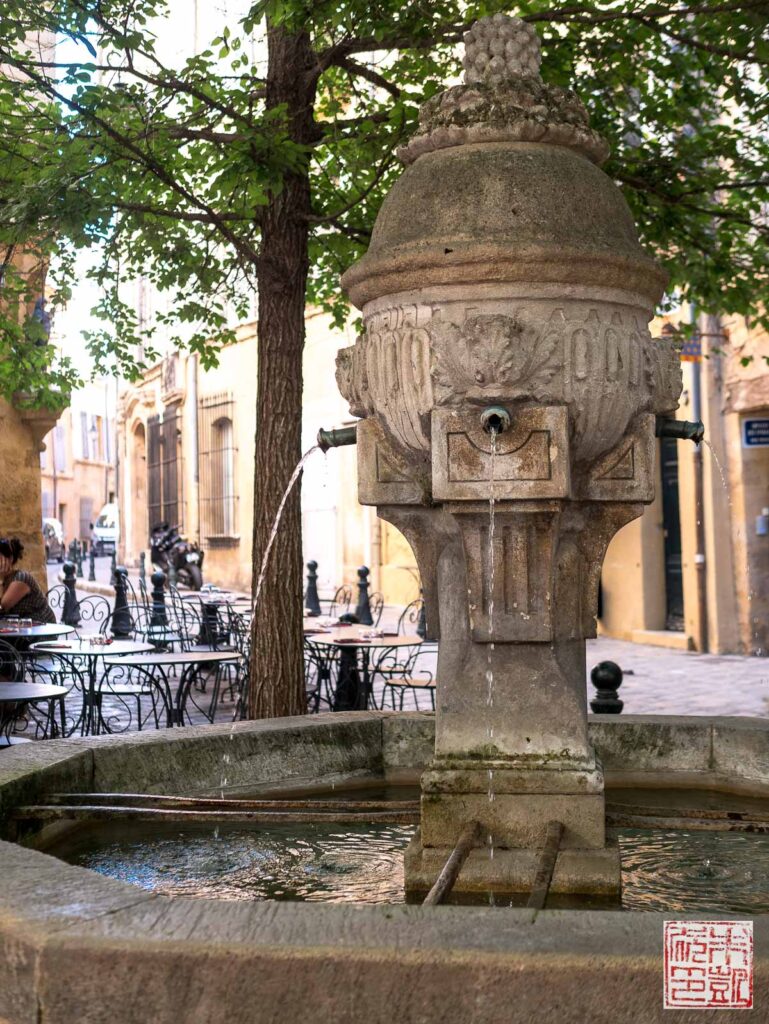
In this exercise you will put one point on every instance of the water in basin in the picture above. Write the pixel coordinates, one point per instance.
(676, 870)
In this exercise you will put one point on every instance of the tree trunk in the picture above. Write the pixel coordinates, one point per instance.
(276, 685)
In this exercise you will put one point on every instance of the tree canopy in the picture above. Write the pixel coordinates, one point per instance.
(164, 168)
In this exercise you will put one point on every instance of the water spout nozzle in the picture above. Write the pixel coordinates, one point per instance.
(495, 419)
(683, 429)
(337, 438)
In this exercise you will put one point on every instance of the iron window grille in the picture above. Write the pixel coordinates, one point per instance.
(217, 466)
(164, 481)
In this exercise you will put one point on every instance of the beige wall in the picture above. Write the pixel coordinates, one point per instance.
(733, 568)
(76, 478)
(21, 435)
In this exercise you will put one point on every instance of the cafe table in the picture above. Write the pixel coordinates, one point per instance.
(90, 650)
(158, 669)
(14, 694)
(11, 632)
(353, 645)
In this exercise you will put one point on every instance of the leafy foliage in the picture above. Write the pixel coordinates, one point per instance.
(164, 167)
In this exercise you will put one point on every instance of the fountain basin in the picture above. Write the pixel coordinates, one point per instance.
(80, 947)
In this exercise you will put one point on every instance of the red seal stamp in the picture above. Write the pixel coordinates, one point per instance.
(708, 965)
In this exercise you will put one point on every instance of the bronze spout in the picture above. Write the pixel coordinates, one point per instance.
(684, 429)
(337, 438)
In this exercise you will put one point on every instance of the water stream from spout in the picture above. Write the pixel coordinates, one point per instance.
(258, 590)
(720, 468)
(276, 524)
(490, 648)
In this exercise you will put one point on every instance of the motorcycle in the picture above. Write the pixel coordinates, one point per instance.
(168, 548)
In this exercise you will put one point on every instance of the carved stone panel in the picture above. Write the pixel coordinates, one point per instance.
(510, 574)
(384, 478)
(531, 459)
(626, 473)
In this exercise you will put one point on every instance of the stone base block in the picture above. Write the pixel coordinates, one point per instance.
(577, 872)
(513, 804)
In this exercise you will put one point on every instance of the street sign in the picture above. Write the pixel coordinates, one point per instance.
(755, 433)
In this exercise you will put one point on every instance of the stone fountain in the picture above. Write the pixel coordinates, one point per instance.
(508, 386)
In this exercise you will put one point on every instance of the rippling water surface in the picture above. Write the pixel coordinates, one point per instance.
(661, 870)
(691, 871)
(327, 863)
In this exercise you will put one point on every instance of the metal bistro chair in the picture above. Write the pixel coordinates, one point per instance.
(121, 685)
(397, 668)
(49, 668)
(340, 603)
(320, 671)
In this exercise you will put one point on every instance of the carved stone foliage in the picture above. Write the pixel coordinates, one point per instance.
(496, 357)
(599, 360)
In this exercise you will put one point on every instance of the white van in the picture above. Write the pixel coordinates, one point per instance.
(106, 530)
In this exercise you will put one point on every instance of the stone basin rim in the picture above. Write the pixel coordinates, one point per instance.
(67, 924)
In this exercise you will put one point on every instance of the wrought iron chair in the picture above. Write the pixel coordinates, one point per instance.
(122, 685)
(320, 670)
(398, 669)
(94, 611)
(49, 668)
(376, 604)
(55, 598)
(340, 603)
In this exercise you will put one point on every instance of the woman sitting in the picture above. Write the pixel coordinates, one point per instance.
(19, 593)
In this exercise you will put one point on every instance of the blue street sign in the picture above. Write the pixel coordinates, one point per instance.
(755, 433)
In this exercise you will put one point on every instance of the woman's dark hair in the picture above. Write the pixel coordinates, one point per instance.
(12, 548)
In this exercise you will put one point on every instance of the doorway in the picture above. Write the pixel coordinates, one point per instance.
(671, 521)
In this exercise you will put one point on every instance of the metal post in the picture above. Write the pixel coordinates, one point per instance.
(159, 616)
(363, 608)
(113, 567)
(143, 568)
(70, 614)
(606, 677)
(422, 620)
(121, 616)
(79, 558)
(311, 599)
(91, 564)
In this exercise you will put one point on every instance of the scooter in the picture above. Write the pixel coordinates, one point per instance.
(168, 548)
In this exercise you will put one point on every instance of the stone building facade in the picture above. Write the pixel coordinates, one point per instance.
(186, 455)
(77, 466)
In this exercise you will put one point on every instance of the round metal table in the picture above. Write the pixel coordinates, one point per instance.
(354, 685)
(90, 719)
(13, 694)
(38, 632)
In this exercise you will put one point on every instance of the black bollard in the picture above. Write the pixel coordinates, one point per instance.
(71, 551)
(311, 599)
(143, 568)
(121, 615)
(70, 614)
(159, 616)
(422, 620)
(606, 677)
(363, 608)
(113, 567)
(91, 564)
(79, 559)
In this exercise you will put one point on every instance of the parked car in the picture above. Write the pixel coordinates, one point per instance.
(53, 539)
(106, 530)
